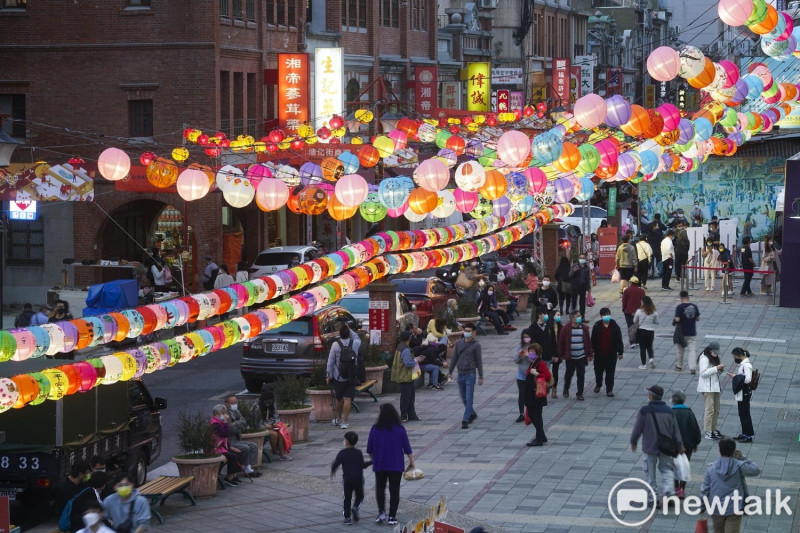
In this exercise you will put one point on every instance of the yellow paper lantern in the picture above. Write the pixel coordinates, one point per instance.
(180, 154)
(162, 173)
(58, 383)
(364, 116)
(384, 145)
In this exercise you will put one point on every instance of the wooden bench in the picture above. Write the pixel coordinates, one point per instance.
(161, 488)
(365, 388)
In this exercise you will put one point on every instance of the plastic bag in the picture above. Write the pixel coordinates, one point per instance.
(682, 468)
(615, 276)
(416, 373)
(413, 473)
(589, 300)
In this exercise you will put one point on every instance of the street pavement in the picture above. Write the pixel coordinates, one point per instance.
(487, 473)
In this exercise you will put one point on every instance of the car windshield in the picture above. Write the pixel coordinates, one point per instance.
(356, 306)
(300, 327)
(411, 286)
(275, 258)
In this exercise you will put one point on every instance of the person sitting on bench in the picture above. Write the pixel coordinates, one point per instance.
(235, 456)
(277, 442)
(236, 423)
(433, 352)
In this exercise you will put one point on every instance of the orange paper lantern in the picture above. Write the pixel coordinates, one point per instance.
(705, 77)
(74, 378)
(422, 202)
(339, 211)
(368, 156)
(667, 138)
(495, 185)
(655, 126)
(28, 389)
(768, 24)
(605, 173)
(638, 122)
(162, 173)
(293, 203)
(570, 158)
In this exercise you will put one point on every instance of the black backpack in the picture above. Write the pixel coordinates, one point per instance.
(348, 361)
(209, 285)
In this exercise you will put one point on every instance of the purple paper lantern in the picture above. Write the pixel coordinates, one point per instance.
(618, 111)
(564, 190)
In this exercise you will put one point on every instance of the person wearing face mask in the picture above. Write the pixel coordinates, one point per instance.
(631, 302)
(768, 264)
(545, 296)
(555, 362)
(667, 259)
(740, 380)
(488, 308)
(575, 348)
(748, 265)
(709, 369)
(608, 347)
(564, 284)
(724, 258)
(625, 262)
(127, 510)
(75, 481)
(537, 370)
(92, 521)
(235, 456)
(236, 424)
(581, 277)
(88, 496)
(467, 359)
(709, 261)
(522, 362)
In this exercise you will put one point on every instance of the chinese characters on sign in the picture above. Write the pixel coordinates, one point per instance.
(613, 81)
(587, 74)
(517, 98)
(451, 95)
(479, 87)
(560, 80)
(378, 319)
(426, 93)
(649, 96)
(328, 93)
(506, 76)
(574, 84)
(293, 91)
(503, 101)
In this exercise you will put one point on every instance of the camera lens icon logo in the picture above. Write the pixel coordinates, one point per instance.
(631, 496)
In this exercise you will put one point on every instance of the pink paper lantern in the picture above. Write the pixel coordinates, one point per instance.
(192, 184)
(608, 153)
(513, 147)
(590, 111)
(671, 116)
(537, 180)
(663, 63)
(351, 190)
(431, 175)
(735, 12)
(732, 72)
(465, 201)
(397, 212)
(256, 173)
(271, 194)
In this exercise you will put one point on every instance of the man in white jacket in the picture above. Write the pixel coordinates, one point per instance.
(741, 380)
(667, 259)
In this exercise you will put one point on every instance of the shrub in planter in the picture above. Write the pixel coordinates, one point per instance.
(466, 308)
(255, 431)
(319, 393)
(374, 363)
(290, 400)
(196, 439)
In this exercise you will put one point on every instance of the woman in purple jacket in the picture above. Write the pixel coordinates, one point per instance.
(387, 443)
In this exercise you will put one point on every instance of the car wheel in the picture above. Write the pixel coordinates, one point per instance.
(139, 472)
(253, 385)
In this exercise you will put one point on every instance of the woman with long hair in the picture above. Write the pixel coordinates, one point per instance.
(522, 362)
(537, 372)
(768, 263)
(387, 443)
(564, 284)
(646, 320)
(709, 368)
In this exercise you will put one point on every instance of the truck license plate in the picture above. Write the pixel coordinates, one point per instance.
(280, 347)
(10, 494)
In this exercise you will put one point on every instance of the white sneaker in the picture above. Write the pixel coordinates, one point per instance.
(642, 367)
(344, 425)
(335, 422)
(652, 363)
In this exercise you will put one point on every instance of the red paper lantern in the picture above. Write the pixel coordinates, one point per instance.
(147, 158)
(293, 203)
(336, 122)
(202, 140)
(368, 156)
(297, 144)
(276, 136)
(528, 111)
(407, 126)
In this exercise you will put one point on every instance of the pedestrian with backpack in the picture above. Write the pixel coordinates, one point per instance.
(343, 372)
(88, 496)
(127, 510)
(743, 383)
(404, 366)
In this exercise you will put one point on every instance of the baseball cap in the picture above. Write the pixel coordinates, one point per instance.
(714, 346)
(634, 280)
(656, 390)
(208, 258)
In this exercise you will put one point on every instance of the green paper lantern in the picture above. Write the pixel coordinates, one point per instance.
(371, 209)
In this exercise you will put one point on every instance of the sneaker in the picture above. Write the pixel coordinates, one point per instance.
(520, 418)
(473, 417)
(678, 368)
(534, 442)
(596, 390)
(381, 518)
(437, 387)
(693, 371)
(740, 436)
(335, 422)
(229, 482)
(392, 521)
(718, 435)
(355, 510)
(344, 425)
(642, 367)
(709, 436)
(610, 394)
(652, 363)
(348, 521)
(235, 482)
(464, 424)
(635, 345)
(746, 440)
(579, 397)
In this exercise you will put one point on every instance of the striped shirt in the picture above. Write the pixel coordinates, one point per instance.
(576, 348)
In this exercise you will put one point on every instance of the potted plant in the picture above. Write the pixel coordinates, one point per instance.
(255, 431)
(319, 392)
(467, 311)
(374, 366)
(519, 288)
(290, 401)
(196, 439)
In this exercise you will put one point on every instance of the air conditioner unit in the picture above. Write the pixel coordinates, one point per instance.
(488, 4)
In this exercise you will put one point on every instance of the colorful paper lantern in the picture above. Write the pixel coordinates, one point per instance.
(393, 192)
(339, 211)
(692, 61)
(312, 200)
(513, 147)
(192, 184)
(705, 77)
(162, 173)
(663, 63)
(470, 176)
(618, 111)
(9, 394)
(465, 201)
(590, 111)
(351, 190)
(432, 175)
(271, 194)
(422, 201)
(58, 383)
(371, 209)
(239, 193)
(113, 164)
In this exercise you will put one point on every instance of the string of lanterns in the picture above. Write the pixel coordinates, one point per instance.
(384, 254)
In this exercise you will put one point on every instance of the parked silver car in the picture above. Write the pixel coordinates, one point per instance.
(278, 258)
(358, 305)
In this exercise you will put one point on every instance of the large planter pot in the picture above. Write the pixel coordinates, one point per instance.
(321, 404)
(376, 373)
(204, 470)
(468, 320)
(256, 438)
(452, 338)
(297, 420)
(522, 306)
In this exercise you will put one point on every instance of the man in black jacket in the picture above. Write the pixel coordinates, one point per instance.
(608, 347)
(544, 297)
(542, 333)
(748, 265)
(681, 249)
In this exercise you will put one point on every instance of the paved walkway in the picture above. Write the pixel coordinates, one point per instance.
(491, 478)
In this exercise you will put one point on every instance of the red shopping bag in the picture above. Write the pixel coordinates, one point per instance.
(528, 421)
(702, 526)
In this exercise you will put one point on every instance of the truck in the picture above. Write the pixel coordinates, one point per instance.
(120, 421)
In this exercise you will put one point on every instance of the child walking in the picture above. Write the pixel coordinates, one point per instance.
(352, 462)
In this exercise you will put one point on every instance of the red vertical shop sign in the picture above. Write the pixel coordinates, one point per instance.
(561, 80)
(574, 84)
(426, 93)
(503, 101)
(293, 91)
(613, 81)
(607, 237)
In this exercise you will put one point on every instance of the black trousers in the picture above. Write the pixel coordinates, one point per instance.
(351, 486)
(564, 297)
(521, 395)
(554, 371)
(605, 365)
(748, 276)
(580, 294)
(744, 415)
(645, 339)
(575, 367)
(408, 395)
(642, 269)
(381, 477)
(535, 414)
(629, 319)
(666, 273)
(495, 319)
(680, 261)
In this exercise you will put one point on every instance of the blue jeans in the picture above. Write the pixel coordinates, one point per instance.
(466, 388)
(434, 370)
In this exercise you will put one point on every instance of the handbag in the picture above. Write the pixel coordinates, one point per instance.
(463, 282)
(615, 276)
(528, 420)
(633, 329)
(589, 300)
(541, 387)
(702, 526)
(677, 336)
(666, 444)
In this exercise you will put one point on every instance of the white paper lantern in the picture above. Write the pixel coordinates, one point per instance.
(227, 175)
(271, 194)
(413, 217)
(351, 190)
(447, 205)
(470, 176)
(114, 164)
(240, 193)
(113, 368)
(192, 184)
